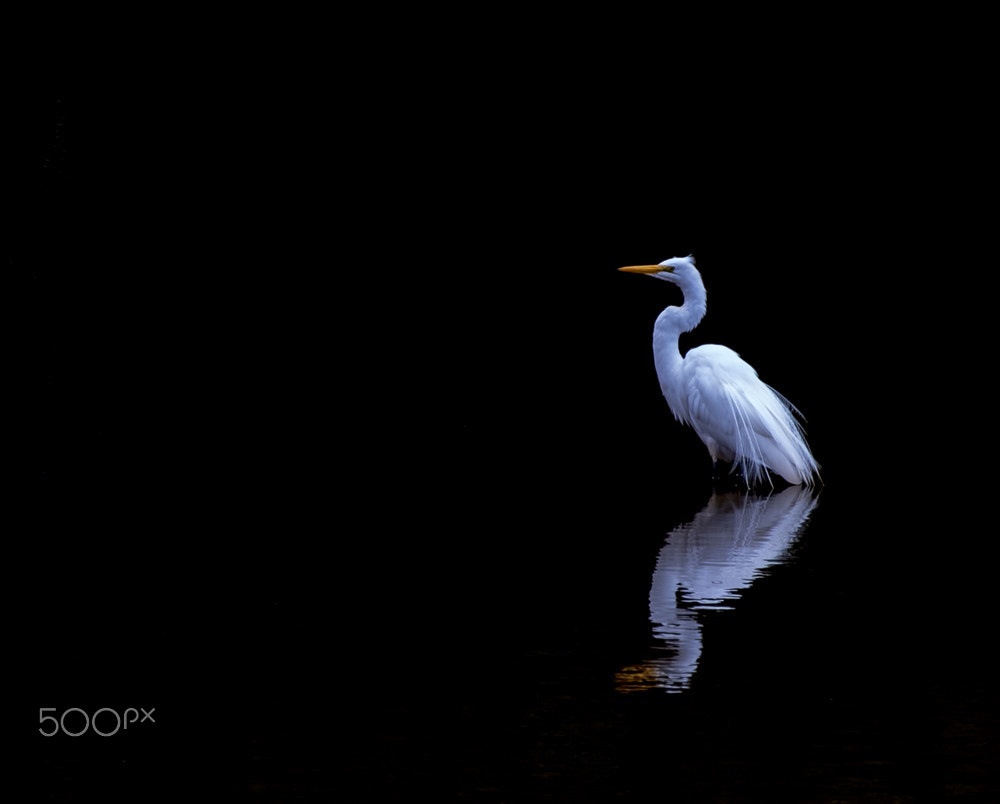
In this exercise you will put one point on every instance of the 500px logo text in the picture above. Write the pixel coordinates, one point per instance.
(105, 722)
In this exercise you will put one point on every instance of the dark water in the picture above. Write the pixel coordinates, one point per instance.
(714, 647)
(760, 649)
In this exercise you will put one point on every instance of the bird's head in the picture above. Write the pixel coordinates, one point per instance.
(678, 270)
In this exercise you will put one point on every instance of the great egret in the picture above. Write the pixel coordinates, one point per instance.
(717, 393)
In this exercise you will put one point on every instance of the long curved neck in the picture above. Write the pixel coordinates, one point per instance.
(666, 333)
(675, 320)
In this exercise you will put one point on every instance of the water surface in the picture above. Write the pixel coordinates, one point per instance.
(702, 569)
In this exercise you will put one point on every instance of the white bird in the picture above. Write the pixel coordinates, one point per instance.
(712, 389)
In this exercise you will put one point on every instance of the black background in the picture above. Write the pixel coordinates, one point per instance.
(329, 395)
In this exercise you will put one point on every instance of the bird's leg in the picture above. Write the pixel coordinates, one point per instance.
(713, 453)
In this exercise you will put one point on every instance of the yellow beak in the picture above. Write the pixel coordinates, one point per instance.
(647, 269)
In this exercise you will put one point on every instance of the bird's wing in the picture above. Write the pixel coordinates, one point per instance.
(717, 383)
(729, 403)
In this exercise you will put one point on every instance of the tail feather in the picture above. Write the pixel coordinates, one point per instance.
(770, 438)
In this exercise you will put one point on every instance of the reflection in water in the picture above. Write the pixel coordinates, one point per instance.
(702, 568)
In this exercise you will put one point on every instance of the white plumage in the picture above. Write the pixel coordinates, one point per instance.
(712, 389)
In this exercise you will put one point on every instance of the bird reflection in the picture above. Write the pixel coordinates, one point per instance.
(703, 566)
